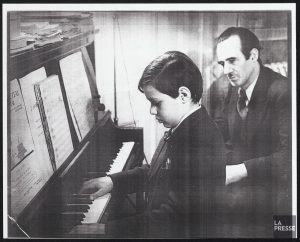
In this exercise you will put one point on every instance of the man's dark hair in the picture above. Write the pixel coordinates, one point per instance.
(170, 71)
(248, 40)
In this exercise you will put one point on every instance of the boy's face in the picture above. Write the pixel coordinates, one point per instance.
(234, 63)
(167, 110)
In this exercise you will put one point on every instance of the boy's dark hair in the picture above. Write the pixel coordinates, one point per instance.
(170, 71)
(248, 40)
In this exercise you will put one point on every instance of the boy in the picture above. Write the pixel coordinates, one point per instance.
(188, 167)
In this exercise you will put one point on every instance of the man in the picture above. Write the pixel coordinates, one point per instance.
(188, 167)
(255, 126)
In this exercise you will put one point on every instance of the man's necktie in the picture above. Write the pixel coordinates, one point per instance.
(241, 104)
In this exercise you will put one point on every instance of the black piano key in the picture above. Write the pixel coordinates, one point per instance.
(78, 214)
(75, 208)
(71, 217)
(80, 195)
(94, 174)
(75, 200)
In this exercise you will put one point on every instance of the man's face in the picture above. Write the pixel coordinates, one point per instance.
(235, 65)
(165, 108)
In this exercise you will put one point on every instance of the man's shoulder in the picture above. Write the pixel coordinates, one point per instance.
(277, 83)
(273, 75)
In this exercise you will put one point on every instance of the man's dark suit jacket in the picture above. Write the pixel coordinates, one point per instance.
(182, 199)
(264, 147)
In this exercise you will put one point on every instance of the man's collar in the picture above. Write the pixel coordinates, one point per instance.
(250, 89)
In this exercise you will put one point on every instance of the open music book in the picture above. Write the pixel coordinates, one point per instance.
(54, 119)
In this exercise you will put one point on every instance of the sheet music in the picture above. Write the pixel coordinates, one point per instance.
(74, 120)
(21, 143)
(35, 123)
(26, 180)
(78, 92)
(56, 118)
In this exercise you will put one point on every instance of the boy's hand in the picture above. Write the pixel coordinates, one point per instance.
(97, 187)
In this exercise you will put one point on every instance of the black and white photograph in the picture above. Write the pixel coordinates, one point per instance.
(149, 121)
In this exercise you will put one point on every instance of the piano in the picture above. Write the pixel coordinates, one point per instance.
(58, 207)
(108, 149)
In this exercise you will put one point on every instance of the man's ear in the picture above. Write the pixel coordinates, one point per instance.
(254, 54)
(184, 94)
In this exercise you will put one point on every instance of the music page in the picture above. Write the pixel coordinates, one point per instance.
(26, 181)
(40, 147)
(56, 117)
(78, 92)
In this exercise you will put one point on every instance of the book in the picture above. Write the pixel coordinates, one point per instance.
(22, 49)
(28, 172)
(54, 119)
(21, 143)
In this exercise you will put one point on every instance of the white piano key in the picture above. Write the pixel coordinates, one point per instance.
(96, 210)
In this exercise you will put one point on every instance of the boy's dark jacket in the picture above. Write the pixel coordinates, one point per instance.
(181, 200)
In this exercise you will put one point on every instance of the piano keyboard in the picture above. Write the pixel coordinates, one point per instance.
(93, 210)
